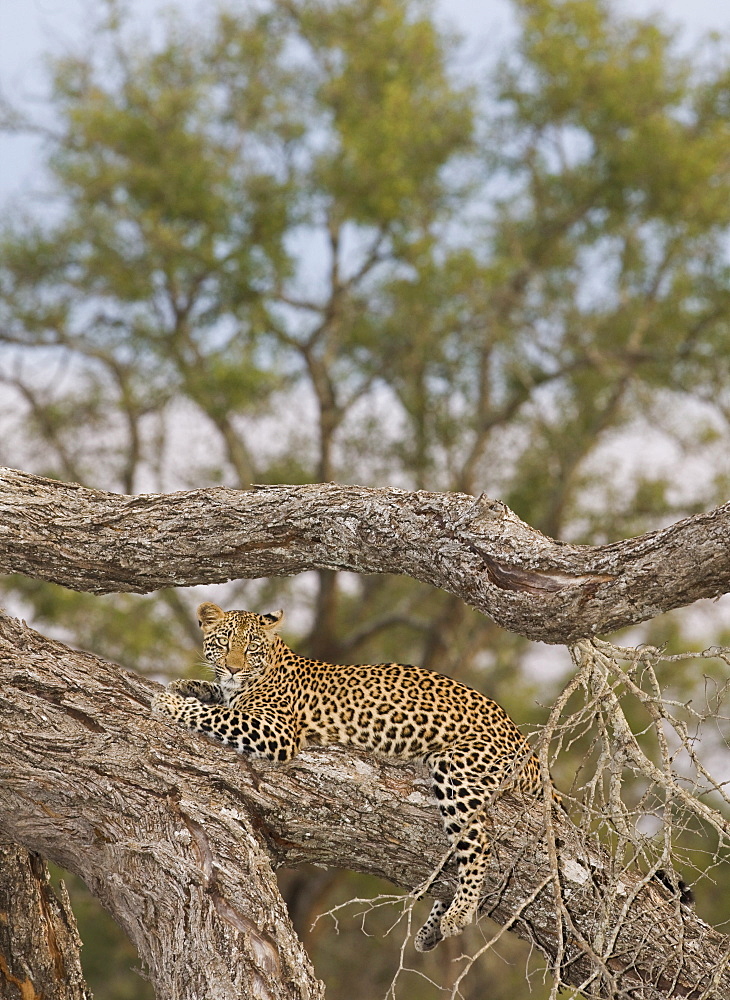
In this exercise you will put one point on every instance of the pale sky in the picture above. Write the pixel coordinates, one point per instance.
(30, 28)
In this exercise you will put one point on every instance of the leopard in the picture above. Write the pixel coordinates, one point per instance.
(269, 702)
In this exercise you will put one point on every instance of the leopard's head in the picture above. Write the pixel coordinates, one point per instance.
(236, 643)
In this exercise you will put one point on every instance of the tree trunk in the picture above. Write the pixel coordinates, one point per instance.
(477, 549)
(39, 943)
(177, 837)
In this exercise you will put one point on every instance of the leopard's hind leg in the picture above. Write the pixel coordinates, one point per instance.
(463, 779)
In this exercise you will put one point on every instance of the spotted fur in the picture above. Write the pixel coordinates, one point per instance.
(270, 702)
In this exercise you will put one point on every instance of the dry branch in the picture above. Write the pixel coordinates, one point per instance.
(475, 548)
(175, 835)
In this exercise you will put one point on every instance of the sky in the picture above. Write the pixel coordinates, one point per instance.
(31, 28)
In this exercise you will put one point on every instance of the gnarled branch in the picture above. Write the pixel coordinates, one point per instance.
(475, 548)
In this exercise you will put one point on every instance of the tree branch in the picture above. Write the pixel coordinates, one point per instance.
(475, 548)
(175, 835)
(162, 841)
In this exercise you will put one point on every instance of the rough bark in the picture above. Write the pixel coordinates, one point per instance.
(163, 844)
(39, 943)
(475, 548)
(176, 836)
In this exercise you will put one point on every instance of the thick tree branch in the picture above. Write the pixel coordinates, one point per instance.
(162, 841)
(175, 834)
(474, 548)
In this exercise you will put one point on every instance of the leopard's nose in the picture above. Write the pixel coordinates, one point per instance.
(234, 661)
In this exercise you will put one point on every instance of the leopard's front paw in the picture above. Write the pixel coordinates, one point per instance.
(167, 703)
(205, 691)
(185, 688)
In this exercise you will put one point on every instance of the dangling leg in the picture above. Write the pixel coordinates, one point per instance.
(472, 858)
(462, 781)
(430, 934)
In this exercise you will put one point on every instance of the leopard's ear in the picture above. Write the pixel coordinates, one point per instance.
(209, 614)
(273, 621)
